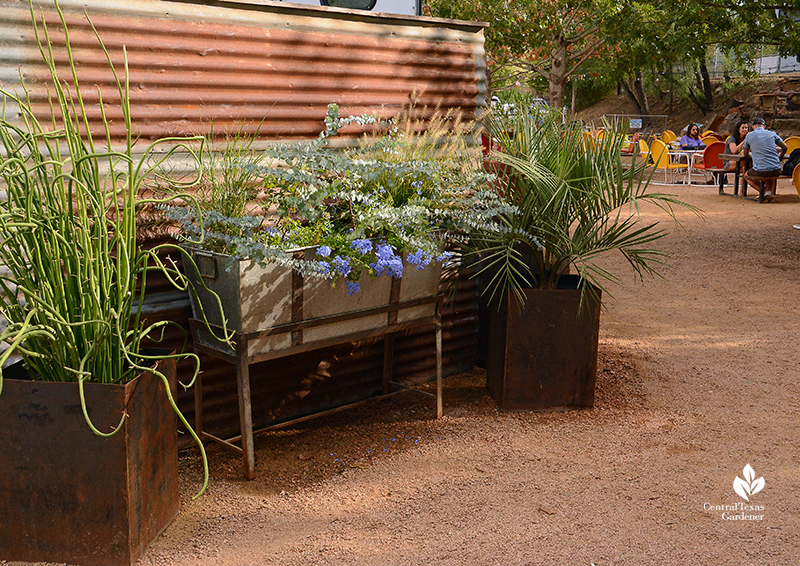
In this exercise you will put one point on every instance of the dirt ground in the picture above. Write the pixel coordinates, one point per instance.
(697, 377)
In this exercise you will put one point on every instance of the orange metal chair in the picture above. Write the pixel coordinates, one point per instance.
(711, 158)
(633, 145)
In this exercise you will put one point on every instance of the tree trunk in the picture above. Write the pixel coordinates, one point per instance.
(707, 91)
(574, 95)
(635, 94)
(558, 72)
(705, 99)
(638, 83)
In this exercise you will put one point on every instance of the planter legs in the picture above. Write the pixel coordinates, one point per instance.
(439, 408)
(242, 360)
(246, 418)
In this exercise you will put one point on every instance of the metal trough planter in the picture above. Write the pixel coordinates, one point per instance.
(256, 299)
(68, 495)
(544, 356)
(275, 312)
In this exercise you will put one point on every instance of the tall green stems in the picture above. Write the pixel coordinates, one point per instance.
(76, 275)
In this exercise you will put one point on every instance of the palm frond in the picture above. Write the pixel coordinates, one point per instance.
(574, 201)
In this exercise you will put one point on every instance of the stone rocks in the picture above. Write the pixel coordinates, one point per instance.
(780, 108)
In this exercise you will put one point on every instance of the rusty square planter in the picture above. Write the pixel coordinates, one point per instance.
(544, 356)
(68, 495)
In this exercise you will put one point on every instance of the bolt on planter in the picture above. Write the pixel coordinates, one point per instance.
(68, 495)
(544, 356)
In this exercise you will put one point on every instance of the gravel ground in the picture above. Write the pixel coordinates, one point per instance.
(697, 378)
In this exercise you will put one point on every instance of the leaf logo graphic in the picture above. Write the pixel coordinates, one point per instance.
(749, 485)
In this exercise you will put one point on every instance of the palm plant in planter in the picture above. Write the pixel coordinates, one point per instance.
(574, 201)
(88, 451)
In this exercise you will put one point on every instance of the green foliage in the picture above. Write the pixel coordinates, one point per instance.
(551, 38)
(575, 201)
(231, 176)
(406, 184)
(76, 275)
(593, 88)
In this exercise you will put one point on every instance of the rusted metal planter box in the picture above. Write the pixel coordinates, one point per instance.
(68, 495)
(256, 299)
(544, 356)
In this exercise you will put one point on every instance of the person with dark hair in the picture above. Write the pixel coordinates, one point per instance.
(767, 149)
(733, 146)
(691, 140)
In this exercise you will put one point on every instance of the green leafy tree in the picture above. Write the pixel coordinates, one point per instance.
(671, 40)
(551, 38)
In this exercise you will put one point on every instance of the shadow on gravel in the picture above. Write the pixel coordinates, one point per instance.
(312, 452)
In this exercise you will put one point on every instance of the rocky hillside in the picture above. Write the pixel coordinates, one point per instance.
(775, 98)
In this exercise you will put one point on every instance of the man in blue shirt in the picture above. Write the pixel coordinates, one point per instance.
(767, 149)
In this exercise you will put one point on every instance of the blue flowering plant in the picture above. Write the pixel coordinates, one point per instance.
(329, 210)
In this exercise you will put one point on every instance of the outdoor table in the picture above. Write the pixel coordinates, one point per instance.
(736, 176)
(690, 157)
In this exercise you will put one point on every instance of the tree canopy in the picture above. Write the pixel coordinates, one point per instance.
(558, 38)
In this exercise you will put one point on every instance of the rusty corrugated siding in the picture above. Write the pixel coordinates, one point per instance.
(192, 64)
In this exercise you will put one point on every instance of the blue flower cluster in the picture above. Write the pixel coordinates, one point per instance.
(388, 263)
(342, 265)
(420, 259)
(363, 246)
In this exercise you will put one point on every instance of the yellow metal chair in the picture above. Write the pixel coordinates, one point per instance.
(588, 140)
(668, 136)
(668, 161)
(793, 142)
(644, 151)
(708, 139)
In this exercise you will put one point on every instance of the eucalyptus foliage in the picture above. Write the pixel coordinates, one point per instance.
(402, 189)
(75, 275)
(575, 201)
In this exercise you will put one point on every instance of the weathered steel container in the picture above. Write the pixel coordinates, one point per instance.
(256, 298)
(543, 355)
(68, 495)
(313, 381)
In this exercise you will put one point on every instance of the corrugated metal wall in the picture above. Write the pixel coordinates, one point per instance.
(227, 62)
(193, 63)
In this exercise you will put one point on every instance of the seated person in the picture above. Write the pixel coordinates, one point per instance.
(733, 146)
(691, 141)
(767, 149)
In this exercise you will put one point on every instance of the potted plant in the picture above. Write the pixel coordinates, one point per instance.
(88, 448)
(574, 202)
(336, 226)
